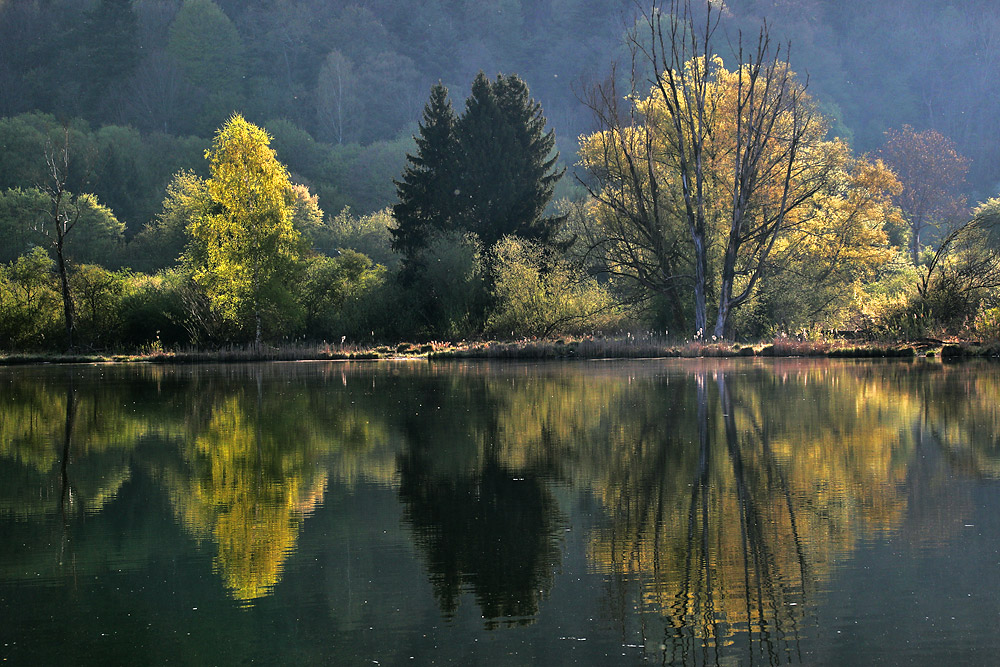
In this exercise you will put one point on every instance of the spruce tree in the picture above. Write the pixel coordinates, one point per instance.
(426, 191)
(505, 170)
(491, 171)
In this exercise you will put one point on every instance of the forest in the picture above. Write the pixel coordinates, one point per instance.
(214, 172)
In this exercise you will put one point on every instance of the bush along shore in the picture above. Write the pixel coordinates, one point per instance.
(626, 347)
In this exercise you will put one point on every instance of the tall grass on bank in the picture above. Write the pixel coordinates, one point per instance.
(631, 347)
(588, 347)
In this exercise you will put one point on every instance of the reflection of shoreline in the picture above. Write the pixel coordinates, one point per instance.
(825, 450)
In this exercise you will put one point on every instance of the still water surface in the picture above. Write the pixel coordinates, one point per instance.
(676, 512)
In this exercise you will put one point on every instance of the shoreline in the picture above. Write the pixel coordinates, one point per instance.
(528, 350)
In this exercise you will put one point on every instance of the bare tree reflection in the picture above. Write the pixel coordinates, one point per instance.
(728, 508)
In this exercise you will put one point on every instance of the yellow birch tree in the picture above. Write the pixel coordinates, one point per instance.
(245, 244)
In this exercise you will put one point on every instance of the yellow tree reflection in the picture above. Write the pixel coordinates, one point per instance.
(731, 518)
(249, 479)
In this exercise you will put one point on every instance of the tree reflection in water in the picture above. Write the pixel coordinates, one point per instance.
(491, 530)
(728, 516)
(728, 490)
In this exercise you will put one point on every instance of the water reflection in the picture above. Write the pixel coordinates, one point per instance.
(728, 491)
(72, 459)
(491, 530)
(245, 479)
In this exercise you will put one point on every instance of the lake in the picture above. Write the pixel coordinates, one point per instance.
(680, 512)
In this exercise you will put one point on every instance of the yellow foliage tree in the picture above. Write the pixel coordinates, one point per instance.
(242, 248)
(697, 182)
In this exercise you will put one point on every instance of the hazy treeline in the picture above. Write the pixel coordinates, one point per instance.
(111, 107)
(356, 73)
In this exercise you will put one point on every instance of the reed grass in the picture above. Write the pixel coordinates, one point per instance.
(587, 347)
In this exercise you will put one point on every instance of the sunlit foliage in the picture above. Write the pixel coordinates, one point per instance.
(244, 244)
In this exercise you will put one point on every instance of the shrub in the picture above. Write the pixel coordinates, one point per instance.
(987, 324)
(30, 304)
(536, 294)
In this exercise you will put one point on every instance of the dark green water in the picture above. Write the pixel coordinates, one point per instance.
(674, 512)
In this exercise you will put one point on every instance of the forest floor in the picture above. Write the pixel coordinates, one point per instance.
(627, 347)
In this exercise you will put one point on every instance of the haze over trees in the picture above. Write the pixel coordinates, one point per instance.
(741, 189)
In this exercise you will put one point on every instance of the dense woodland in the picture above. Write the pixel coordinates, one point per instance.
(125, 124)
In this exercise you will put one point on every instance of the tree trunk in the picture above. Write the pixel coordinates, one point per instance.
(259, 335)
(700, 279)
(915, 227)
(69, 311)
(64, 496)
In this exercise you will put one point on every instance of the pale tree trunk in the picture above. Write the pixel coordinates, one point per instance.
(63, 214)
(916, 226)
(258, 337)
(764, 157)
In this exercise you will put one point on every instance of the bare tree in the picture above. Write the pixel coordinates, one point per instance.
(336, 97)
(637, 237)
(932, 173)
(60, 217)
(967, 259)
(708, 149)
(773, 124)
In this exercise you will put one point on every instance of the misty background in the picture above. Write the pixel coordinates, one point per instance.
(341, 84)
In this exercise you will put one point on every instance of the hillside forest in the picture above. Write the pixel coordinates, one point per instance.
(213, 172)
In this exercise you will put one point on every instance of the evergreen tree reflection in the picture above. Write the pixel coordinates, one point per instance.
(490, 529)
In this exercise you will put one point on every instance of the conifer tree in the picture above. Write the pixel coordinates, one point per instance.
(426, 191)
(491, 171)
(505, 165)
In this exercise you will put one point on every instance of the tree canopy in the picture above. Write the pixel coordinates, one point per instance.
(698, 181)
(490, 172)
(242, 245)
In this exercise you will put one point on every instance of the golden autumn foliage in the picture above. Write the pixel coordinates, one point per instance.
(806, 218)
(750, 517)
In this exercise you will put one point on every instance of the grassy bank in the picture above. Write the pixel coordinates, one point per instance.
(626, 347)
(632, 348)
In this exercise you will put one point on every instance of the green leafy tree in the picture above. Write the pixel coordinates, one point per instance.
(450, 294)
(23, 225)
(307, 216)
(126, 178)
(19, 215)
(369, 234)
(244, 247)
(326, 286)
(162, 241)
(29, 301)
(537, 294)
(99, 295)
(506, 164)
(387, 91)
